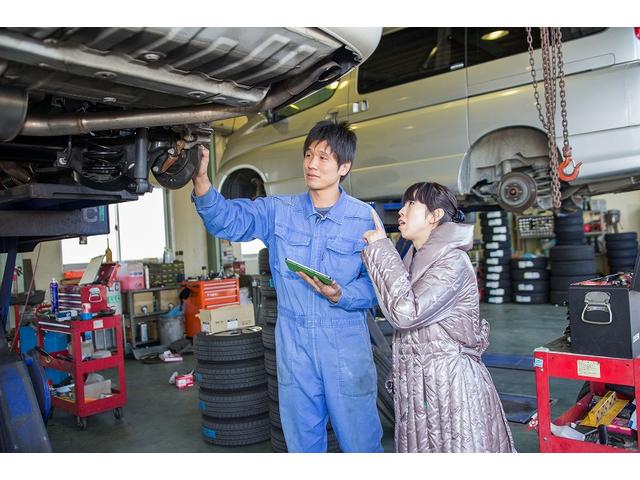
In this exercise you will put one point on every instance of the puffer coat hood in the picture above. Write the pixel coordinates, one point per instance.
(445, 400)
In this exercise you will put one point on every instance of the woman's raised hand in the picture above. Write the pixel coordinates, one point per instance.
(379, 233)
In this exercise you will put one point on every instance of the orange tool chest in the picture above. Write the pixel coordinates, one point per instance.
(206, 295)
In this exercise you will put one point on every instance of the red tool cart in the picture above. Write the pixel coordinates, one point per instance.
(74, 365)
(555, 360)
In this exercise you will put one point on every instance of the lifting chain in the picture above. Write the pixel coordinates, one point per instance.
(553, 79)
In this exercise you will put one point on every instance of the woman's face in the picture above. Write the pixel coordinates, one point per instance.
(415, 221)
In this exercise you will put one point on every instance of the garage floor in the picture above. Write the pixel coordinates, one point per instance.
(160, 418)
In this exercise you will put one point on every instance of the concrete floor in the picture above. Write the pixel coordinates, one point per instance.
(160, 418)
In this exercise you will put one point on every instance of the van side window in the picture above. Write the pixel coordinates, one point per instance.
(309, 101)
(490, 43)
(409, 54)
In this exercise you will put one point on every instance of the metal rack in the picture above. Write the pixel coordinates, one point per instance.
(131, 318)
(78, 367)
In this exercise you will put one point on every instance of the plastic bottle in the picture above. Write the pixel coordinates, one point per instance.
(53, 287)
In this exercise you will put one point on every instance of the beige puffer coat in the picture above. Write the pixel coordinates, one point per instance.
(445, 400)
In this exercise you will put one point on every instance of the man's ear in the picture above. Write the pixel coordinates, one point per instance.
(343, 170)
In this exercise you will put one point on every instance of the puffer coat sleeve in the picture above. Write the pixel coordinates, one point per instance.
(410, 305)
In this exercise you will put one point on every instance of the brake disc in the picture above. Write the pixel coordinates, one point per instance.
(174, 173)
(516, 192)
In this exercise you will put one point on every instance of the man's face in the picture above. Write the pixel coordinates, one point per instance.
(321, 171)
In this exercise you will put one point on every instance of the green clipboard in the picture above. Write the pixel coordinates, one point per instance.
(298, 267)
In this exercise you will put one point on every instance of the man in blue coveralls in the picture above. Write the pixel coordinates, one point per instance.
(325, 364)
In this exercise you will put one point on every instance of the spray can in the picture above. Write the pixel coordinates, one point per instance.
(53, 287)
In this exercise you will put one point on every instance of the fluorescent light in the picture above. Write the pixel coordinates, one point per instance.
(495, 35)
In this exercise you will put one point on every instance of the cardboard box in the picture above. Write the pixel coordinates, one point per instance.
(168, 299)
(94, 390)
(143, 303)
(226, 318)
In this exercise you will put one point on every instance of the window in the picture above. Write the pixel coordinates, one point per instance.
(137, 231)
(410, 54)
(490, 43)
(307, 102)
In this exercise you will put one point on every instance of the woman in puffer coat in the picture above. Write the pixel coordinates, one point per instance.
(445, 400)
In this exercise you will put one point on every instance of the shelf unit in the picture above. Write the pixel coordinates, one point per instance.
(78, 368)
(154, 299)
(206, 295)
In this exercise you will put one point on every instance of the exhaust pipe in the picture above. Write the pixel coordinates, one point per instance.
(13, 105)
(82, 123)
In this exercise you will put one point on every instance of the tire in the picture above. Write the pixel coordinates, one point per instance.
(269, 336)
(617, 237)
(496, 268)
(498, 277)
(571, 238)
(270, 362)
(493, 261)
(530, 287)
(492, 215)
(538, 263)
(493, 284)
(498, 237)
(279, 444)
(493, 222)
(501, 230)
(557, 297)
(622, 254)
(236, 432)
(568, 221)
(503, 254)
(274, 415)
(231, 376)
(561, 283)
(499, 292)
(270, 320)
(528, 275)
(621, 244)
(619, 267)
(497, 246)
(267, 289)
(498, 300)
(577, 228)
(263, 262)
(272, 387)
(571, 253)
(229, 346)
(385, 327)
(531, 298)
(581, 267)
(234, 404)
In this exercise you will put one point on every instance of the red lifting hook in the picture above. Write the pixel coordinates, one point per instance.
(564, 164)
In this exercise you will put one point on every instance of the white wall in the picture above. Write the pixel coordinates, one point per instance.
(629, 205)
(190, 234)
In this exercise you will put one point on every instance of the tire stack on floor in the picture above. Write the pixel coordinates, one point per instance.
(233, 396)
(570, 264)
(622, 251)
(497, 254)
(530, 280)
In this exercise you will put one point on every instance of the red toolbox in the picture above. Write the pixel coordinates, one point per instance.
(206, 295)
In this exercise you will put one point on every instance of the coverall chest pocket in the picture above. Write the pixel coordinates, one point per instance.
(293, 244)
(343, 259)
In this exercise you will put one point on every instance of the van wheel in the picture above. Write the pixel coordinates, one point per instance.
(243, 184)
(516, 192)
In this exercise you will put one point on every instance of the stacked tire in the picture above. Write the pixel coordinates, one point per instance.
(497, 254)
(267, 303)
(530, 280)
(569, 264)
(569, 228)
(622, 251)
(232, 382)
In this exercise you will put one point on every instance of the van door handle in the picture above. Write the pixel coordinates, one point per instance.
(361, 106)
(331, 115)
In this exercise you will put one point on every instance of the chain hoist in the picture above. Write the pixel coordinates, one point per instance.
(553, 80)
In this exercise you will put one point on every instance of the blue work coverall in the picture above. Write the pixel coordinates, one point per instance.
(325, 364)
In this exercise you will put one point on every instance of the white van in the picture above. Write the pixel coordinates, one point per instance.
(456, 106)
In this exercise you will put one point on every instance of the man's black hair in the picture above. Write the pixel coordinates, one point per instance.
(339, 136)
